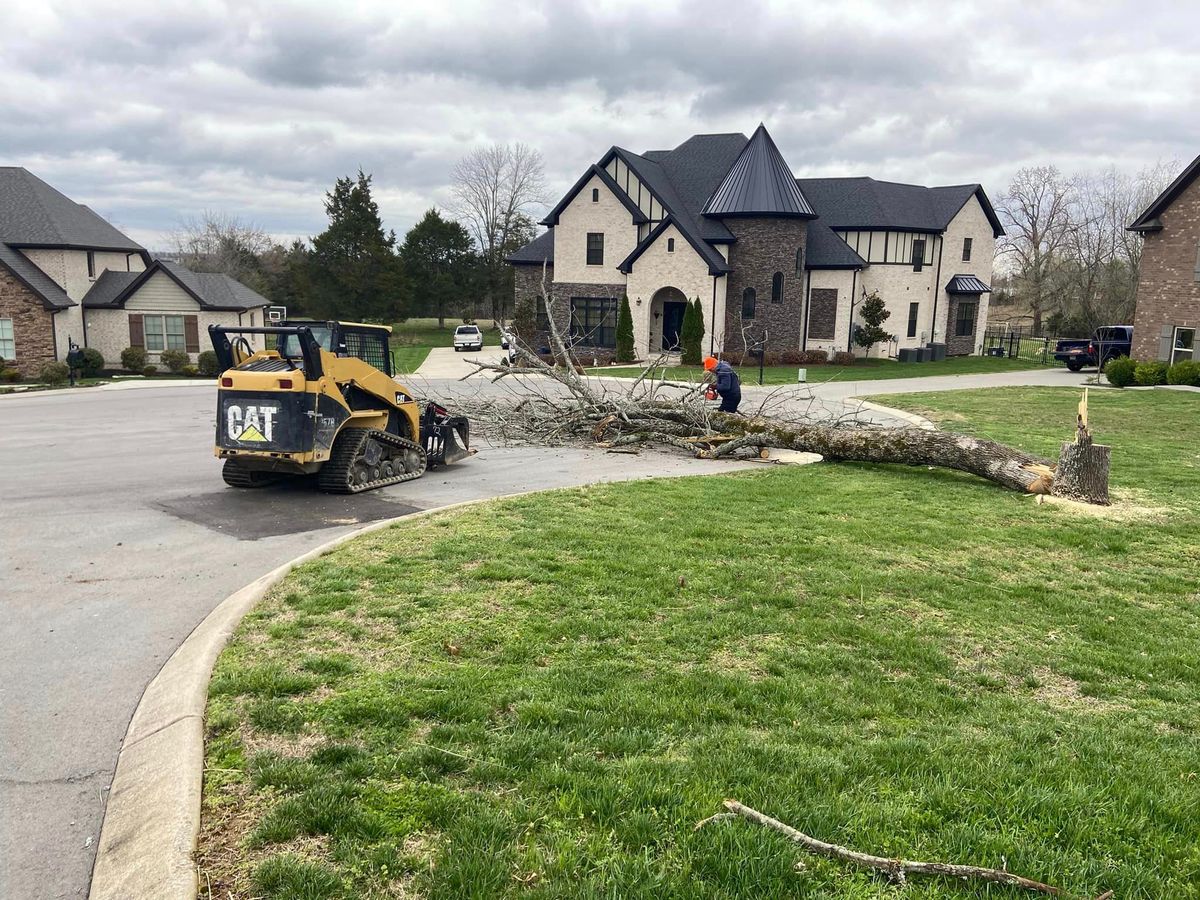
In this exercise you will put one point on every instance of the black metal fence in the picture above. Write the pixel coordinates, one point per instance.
(1022, 343)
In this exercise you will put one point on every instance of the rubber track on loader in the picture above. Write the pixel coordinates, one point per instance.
(239, 477)
(336, 475)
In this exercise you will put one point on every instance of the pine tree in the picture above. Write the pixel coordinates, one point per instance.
(356, 274)
(691, 335)
(438, 260)
(625, 351)
(874, 314)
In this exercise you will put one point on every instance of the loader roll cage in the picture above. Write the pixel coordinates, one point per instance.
(310, 347)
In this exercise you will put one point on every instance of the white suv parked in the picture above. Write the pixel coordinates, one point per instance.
(468, 337)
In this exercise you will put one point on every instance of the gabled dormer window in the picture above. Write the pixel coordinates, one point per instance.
(670, 245)
(595, 195)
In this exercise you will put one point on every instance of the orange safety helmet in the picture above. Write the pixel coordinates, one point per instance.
(710, 363)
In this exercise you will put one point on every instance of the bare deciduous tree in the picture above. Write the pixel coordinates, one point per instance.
(496, 189)
(217, 242)
(1036, 213)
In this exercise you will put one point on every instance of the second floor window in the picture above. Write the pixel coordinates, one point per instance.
(670, 245)
(799, 261)
(595, 248)
(918, 255)
(595, 195)
(777, 288)
(966, 249)
(91, 264)
(748, 301)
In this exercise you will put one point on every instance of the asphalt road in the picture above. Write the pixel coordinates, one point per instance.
(117, 537)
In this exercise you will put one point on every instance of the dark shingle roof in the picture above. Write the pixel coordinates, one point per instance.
(211, 290)
(1150, 219)
(759, 183)
(537, 251)
(52, 296)
(825, 250)
(966, 284)
(864, 203)
(33, 214)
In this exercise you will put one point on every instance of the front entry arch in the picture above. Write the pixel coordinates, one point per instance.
(667, 307)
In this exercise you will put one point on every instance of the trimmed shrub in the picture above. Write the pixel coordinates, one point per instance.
(1148, 374)
(93, 362)
(133, 359)
(814, 357)
(790, 358)
(1185, 373)
(735, 359)
(191, 371)
(625, 351)
(54, 372)
(1120, 371)
(843, 358)
(149, 370)
(174, 360)
(208, 365)
(10, 375)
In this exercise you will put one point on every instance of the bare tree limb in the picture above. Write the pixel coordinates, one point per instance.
(895, 869)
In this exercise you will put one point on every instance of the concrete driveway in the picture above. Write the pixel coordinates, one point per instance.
(118, 536)
(446, 362)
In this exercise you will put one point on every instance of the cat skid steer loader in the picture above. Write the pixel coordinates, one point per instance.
(323, 402)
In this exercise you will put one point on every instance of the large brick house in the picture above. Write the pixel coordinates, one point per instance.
(68, 276)
(1167, 319)
(722, 218)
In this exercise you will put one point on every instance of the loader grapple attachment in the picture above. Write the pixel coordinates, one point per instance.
(446, 438)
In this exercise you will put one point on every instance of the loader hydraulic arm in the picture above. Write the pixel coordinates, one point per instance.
(310, 348)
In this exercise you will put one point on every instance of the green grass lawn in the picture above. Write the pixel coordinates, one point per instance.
(862, 370)
(541, 698)
(412, 339)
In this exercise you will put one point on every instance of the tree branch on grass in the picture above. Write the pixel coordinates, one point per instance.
(895, 869)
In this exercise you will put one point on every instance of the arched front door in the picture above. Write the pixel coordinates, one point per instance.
(667, 307)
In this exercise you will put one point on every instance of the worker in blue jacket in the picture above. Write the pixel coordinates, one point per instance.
(726, 383)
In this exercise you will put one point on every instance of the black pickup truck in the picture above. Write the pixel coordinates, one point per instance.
(1109, 342)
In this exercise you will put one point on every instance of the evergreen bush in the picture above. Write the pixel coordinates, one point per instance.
(1120, 371)
(625, 350)
(133, 359)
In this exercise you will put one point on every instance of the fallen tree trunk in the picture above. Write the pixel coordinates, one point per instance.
(564, 406)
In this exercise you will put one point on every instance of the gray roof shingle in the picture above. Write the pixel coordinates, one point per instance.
(211, 290)
(33, 214)
(52, 296)
(864, 203)
(825, 250)
(537, 251)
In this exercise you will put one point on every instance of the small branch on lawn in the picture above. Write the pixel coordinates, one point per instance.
(895, 869)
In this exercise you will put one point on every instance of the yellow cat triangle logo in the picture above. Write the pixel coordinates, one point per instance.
(251, 434)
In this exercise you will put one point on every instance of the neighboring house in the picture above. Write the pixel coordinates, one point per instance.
(721, 217)
(1167, 320)
(66, 275)
(165, 307)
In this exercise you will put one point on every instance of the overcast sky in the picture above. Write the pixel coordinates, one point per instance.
(151, 111)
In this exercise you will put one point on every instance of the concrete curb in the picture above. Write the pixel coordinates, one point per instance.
(152, 821)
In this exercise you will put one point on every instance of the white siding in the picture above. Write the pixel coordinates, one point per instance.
(161, 294)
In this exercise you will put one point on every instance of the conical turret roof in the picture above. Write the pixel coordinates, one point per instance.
(759, 183)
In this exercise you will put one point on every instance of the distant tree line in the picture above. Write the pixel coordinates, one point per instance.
(1066, 257)
(447, 266)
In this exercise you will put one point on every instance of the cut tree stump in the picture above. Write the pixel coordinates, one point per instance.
(1082, 471)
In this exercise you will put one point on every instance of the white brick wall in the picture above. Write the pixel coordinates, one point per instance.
(683, 269)
(973, 223)
(608, 216)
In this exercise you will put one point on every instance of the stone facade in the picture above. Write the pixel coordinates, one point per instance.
(1168, 294)
(961, 345)
(765, 246)
(33, 324)
(822, 314)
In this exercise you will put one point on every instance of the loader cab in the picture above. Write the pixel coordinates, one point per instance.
(366, 342)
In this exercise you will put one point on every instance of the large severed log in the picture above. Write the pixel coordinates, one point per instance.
(996, 462)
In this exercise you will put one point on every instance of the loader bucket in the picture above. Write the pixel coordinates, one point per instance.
(446, 438)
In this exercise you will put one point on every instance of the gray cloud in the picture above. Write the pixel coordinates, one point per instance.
(155, 111)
